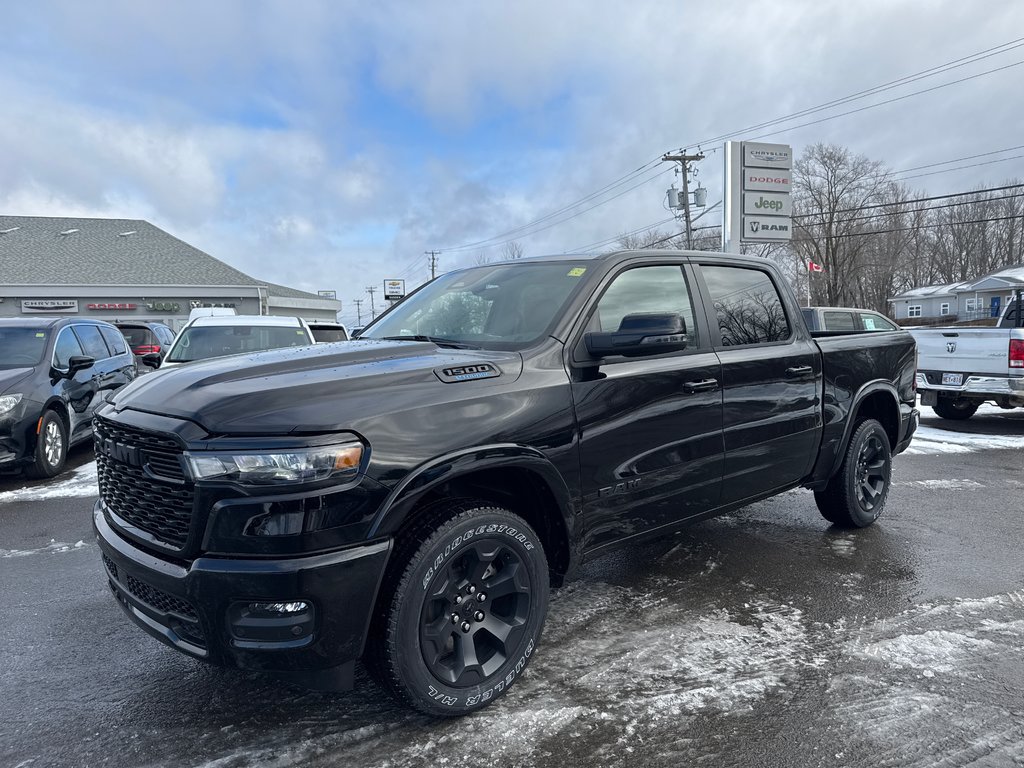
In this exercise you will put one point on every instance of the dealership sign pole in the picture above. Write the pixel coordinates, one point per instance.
(758, 199)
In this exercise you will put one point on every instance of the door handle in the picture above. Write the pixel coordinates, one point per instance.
(800, 370)
(704, 385)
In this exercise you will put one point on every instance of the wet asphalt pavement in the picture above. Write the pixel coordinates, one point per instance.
(764, 638)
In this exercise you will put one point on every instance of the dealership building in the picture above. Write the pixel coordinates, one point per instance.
(125, 269)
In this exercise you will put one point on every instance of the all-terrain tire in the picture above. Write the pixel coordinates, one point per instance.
(855, 496)
(51, 447)
(956, 410)
(461, 608)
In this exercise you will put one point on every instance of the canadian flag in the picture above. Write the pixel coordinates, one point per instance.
(812, 267)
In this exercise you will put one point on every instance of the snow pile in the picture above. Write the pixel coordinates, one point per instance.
(53, 548)
(81, 483)
(931, 440)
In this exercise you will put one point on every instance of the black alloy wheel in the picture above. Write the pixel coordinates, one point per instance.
(856, 494)
(474, 618)
(460, 609)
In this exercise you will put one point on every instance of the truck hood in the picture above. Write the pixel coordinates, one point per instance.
(317, 389)
(10, 377)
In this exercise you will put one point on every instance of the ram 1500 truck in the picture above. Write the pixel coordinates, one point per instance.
(409, 498)
(960, 367)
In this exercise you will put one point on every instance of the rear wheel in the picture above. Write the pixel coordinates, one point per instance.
(855, 496)
(461, 608)
(51, 447)
(958, 410)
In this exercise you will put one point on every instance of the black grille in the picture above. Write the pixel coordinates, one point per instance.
(161, 509)
(110, 566)
(161, 454)
(158, 599)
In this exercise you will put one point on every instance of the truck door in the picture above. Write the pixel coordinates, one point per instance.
(771, 379)
(650, 427)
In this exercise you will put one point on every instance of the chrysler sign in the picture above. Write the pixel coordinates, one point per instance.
(767, 155)
(68, 306)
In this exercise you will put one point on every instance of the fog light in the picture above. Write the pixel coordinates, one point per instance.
(281, 609)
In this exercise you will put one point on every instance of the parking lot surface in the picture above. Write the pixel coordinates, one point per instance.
(762, 638)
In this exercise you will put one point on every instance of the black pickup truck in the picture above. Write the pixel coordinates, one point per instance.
(409, 498)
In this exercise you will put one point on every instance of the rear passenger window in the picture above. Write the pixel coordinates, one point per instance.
(92, 341)
(747, 305)
(67, 346)
(873, 322)
(114, 340)
(840, 321)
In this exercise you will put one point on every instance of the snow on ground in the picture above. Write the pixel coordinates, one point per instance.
(53, 548)
(81, 483)
(944, 485)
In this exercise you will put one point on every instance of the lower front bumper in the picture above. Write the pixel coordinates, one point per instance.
(200, 608)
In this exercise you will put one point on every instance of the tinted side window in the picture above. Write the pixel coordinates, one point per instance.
(114, 339)
(166, 334)
(92, 341)
(67, 346)
(329, 334)
(840, 321)
(645, 289)
(747, 304)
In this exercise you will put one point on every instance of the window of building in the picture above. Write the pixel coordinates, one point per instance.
(914, 310)
(944, 308)
(971, 305)
(748, 306)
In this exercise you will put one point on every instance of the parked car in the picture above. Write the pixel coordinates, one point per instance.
(54, 374)
(846, 319)
(326, 332)
(146, 338)
(960, 367)
(410, 497)
(209, 336)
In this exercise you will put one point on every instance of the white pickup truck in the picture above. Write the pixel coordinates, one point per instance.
(959, 368)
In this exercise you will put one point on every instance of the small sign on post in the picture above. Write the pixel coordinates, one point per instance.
(394, 290)
(758, 200)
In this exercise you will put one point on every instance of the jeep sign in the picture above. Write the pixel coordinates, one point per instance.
(767, 204)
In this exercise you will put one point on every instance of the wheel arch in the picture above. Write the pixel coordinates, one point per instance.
(518, 478)
(875, 400)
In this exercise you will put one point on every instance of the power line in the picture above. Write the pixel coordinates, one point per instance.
(871, 216)
(958, 159)
(638, 230)
(915, 200)
(905, 80)
(922, 226)
(962, 167)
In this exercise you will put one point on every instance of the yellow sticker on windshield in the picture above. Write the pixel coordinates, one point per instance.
(40, 335)
(300, 333)
(576, 272)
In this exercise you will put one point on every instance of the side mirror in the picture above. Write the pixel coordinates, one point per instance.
(152, 359)
(78, 363)
(648, 333)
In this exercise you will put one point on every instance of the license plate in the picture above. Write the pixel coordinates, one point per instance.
(952, 379)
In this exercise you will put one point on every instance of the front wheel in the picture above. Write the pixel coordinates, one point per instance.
(855, 496)
(956, 410)
(461, 608)
(51, 447)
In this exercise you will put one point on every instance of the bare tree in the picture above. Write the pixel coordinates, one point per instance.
(512, 250)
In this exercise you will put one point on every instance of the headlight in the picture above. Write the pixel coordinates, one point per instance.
(7, 402)
(286, 467)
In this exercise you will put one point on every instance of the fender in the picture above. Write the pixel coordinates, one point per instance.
(435, 472)
(819, 477)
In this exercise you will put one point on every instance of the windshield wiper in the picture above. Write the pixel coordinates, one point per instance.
(433, 339)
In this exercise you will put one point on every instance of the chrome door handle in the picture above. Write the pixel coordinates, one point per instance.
(704, 385)
(800, 370)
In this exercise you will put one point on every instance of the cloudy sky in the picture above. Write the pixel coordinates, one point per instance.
(327, 145)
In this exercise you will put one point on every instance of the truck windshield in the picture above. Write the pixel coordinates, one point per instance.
(204, 342)
(22, 347)
(505, 306)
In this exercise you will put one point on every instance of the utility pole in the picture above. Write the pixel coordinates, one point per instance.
(684, 160)
(371, 289)
(433, 262)
(359, 313)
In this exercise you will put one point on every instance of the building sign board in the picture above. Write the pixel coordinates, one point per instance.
(394, 289)
(757, 228)
(756, 155)
(39, 306)
(120, 305)
(328, 294)
(762, 180)
(767, 204)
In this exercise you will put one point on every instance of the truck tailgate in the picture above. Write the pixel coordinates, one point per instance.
(963, 350)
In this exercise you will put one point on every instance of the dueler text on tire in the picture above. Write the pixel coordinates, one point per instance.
(855, 496)
(957, 410)
(51, 447)
(461, 608)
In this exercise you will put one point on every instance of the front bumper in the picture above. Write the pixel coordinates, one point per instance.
(910, 418)
(197, 607)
